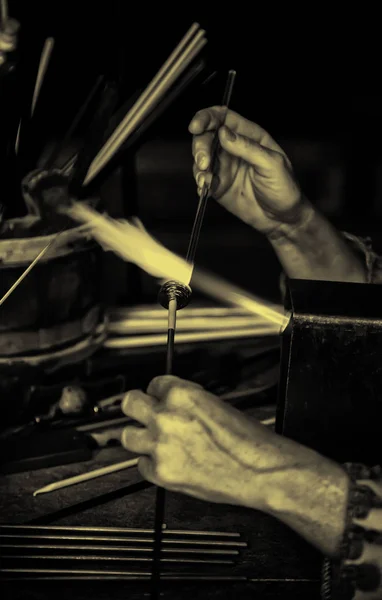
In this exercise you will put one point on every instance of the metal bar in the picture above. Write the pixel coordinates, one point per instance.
(117, 530)
(122, 539)
(75, 557)
(116, 549)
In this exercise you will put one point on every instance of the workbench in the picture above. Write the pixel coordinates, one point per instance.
(279, 562)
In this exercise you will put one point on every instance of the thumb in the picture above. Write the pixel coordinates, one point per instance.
(262, 159)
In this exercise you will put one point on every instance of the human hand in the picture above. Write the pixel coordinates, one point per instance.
(254, 179)
(194, 443)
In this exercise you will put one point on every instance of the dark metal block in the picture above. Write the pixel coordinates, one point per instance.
(330, 395)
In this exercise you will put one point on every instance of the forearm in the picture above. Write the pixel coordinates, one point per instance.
(314, 249)
(308, 493)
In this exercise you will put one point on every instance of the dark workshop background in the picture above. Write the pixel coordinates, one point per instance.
(289, 80)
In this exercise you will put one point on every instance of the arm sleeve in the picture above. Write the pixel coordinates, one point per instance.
(363, 248)
(357, 574)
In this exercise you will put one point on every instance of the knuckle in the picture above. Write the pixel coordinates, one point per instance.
(125, 439)
(162, 422)
(128, 399)
(175, 396)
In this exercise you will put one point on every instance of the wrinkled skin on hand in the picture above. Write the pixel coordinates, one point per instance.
(255, 179)
(192, 442)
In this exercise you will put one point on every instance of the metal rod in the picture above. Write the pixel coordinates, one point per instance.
(70, 575)
(119, 540)
(161, 494)
(96, 548)
(127, 530)
(207, 188)
(90, 558)
(53, 547)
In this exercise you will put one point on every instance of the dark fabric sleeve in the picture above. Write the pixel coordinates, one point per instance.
(373, 263)
(357, 575)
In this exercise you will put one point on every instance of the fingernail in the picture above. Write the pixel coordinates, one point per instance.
(201, 160)
(229, 134)
(200, 179)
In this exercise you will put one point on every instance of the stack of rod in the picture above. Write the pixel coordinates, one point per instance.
(35, 552)
(113, 128)
(139, 327)
(150, 100)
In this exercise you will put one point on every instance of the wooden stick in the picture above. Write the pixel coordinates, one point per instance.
(104, 156)
(106, 471)
(27, 270)
(87, 476)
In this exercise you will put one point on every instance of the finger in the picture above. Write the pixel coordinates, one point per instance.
(201, 149)
(200, 176)
(202, 179)
(245, 148)
(212, 118)
(139, 406)
(206, 119)
(160, 386)
(137, 440)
